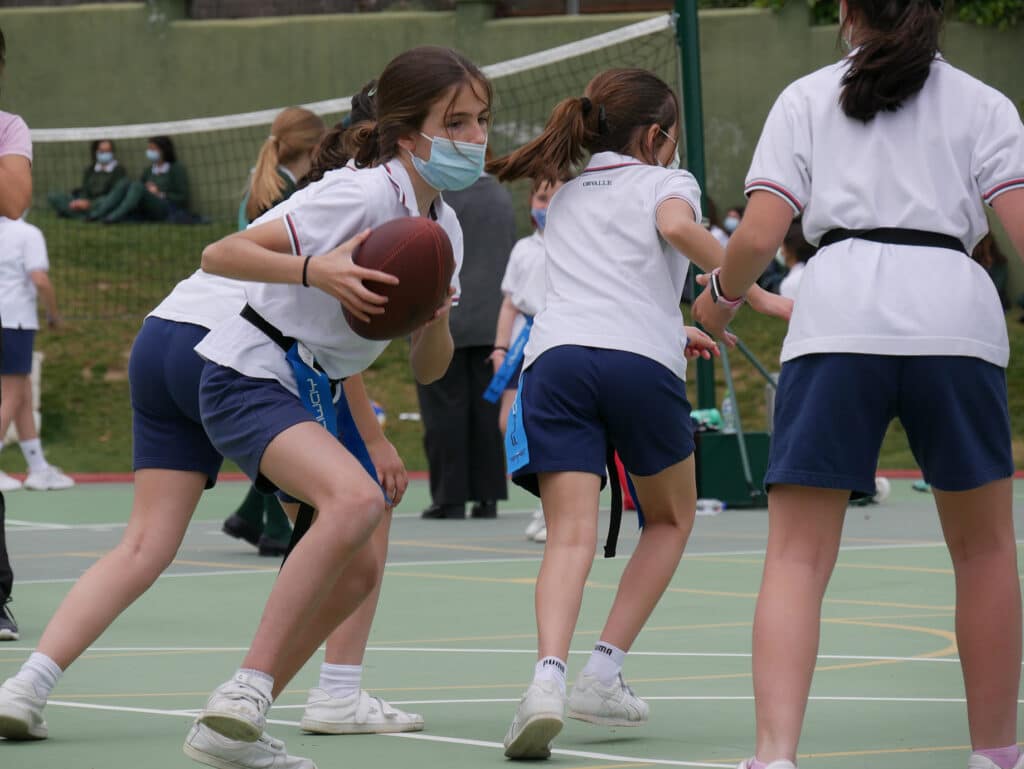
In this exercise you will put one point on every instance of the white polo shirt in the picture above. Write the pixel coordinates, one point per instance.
(612, 281)
(203, 299)
(22, 251)
(927, 166)
(319, 218)
(525, 283)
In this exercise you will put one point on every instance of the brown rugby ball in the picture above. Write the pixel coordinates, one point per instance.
(417, 251)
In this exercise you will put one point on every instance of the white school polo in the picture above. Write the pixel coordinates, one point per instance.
(22, 251)
(927, 166)
(524, 282)
(319, 218)
(612, 281)
(203, 299)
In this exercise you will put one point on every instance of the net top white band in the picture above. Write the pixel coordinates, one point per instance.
(336, 106)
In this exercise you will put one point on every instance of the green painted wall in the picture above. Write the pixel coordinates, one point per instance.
(135, 62)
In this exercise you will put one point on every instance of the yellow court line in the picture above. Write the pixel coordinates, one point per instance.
(840, 565)
(886, 751)
(65, 554)
(222, 565)
(461, 578)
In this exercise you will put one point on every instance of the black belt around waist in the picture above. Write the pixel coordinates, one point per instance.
(275, 335)
(898, 236)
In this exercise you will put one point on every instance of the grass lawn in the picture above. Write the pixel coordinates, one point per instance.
(119, 273)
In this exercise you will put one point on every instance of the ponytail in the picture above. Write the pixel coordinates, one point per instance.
(266, 185)
(892, 63)
(558, 151)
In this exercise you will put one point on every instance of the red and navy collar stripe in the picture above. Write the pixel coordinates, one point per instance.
(778, 189)
(293, 234)
(1010, 184)
(609, 168)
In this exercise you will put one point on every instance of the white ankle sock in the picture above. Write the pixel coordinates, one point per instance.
(341, 681)
(40, 671)
(550, 669)
(605, 662)
(33, 453)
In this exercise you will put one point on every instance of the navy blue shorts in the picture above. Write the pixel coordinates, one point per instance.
(17, 351)
(576, 400)
(242, 415)
(163, 374)
(832, 411)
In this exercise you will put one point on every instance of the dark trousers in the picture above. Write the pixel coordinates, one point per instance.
(465, 451)
(6, 575)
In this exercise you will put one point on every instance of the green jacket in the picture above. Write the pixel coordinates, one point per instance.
(98, 183)
(173, 184)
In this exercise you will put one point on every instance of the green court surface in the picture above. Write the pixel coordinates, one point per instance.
(454, 640)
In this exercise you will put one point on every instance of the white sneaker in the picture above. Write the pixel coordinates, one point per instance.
(542, 535)
(7, 483)
(612, 704)
(359, 713)
(782, 764)
(237, 709)
(47, 480)
(21, 712)
(207, 747)
(538, 720)
(978, 761)
(536, 524)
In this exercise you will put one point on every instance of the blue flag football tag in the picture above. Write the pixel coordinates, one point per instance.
(517, 450)
(508, 367)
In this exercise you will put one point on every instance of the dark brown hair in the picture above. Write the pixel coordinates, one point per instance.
(408, 87)
(618, 104)
(3, 51)
(898, 42)
(330, 153)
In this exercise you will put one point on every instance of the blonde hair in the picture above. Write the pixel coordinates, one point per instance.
(294, 133)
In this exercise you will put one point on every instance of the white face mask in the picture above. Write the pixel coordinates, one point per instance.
(674, 163)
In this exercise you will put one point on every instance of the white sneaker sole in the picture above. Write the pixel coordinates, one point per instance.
(348, 727)
(603, 720)
(8, 635)
(14, 728)
(210, 760)
(232, 727)
(535, 736)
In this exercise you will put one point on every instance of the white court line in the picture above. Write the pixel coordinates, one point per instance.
(449, 650)
(147, 711)
(479, 561)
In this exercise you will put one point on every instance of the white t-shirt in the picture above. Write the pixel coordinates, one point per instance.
(613, 281)
(790, 285)
(203, 299)
(525, 283)
(22, 251)
(319, 218)
(927, 166)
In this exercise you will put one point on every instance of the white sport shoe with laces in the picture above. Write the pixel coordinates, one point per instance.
(538, 720)
(21, 712)
(978, 761)
(7, 483)
(207, 747)
(612, 704)
(50, 479)
(781, 764)
(359, 713)
(237, 709)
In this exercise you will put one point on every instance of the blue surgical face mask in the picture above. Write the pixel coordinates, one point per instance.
(731, 223)
(104, 157)
(452, 165)
(153, 155)
(540, 217)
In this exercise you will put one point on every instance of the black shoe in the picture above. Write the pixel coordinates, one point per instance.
(236, 526)
(8, 627)
(485, 510)
(272, 547)
(444, 511)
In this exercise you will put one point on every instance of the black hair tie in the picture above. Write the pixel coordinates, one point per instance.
(602, 121)
(586, 105)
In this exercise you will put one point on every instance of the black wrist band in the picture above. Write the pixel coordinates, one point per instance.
(305, 271)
